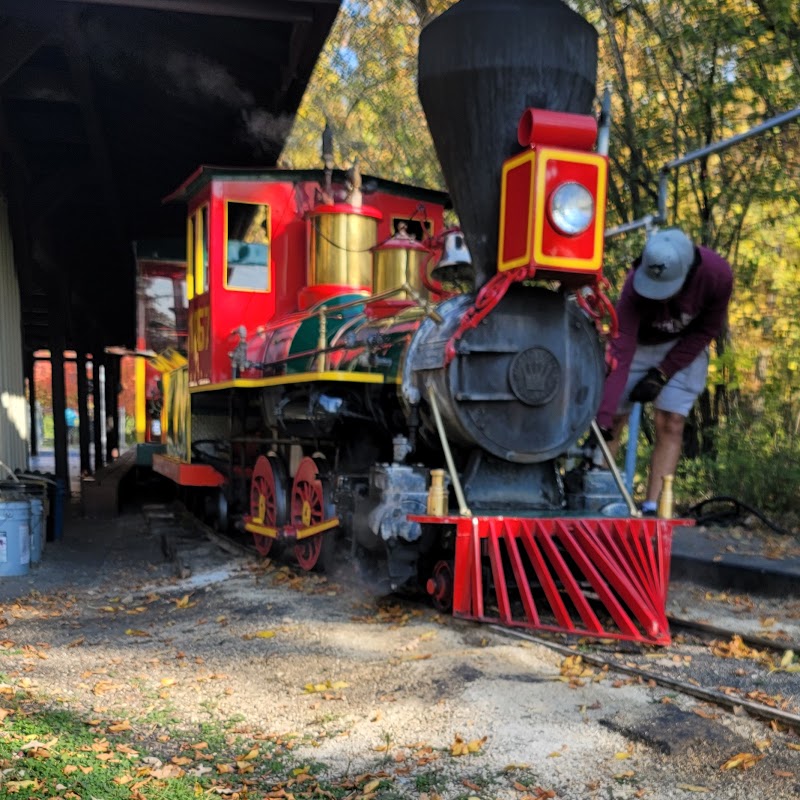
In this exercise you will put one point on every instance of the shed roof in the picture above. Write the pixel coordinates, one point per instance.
(105, 106)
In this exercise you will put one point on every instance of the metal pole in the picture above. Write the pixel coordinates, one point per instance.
(59, 416)
(30, 368)
(715, 147)
(724, 144)
(633, 225)
(634, 422)
(83, 412)
(603, 445)
(98, 417)
(109, 402)
(463, 508)
(663, 192)
(604, 124)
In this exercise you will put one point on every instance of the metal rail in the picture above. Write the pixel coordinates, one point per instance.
(748, 639)
(715, 147)
(643, 222)
(660, 217)
(709, 695)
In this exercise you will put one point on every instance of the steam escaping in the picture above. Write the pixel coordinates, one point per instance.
(265, 131)
(199, 79)
(189, 77)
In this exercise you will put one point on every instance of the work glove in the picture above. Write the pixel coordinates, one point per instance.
(606, 433)
(593, 453)
(649, 387)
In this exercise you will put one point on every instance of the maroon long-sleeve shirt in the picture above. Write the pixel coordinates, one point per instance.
(692, 318)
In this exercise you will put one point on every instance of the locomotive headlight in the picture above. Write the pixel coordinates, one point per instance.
(571, 208)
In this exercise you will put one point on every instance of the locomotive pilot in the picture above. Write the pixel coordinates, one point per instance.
(674, 302)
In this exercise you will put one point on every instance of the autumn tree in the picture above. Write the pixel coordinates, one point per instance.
(365, 85)
(683, 75)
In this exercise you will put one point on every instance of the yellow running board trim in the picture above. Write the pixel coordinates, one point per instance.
(299, 377)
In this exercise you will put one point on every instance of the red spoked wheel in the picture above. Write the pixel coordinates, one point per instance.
(267, 498)
(310, 506)
(440, 586)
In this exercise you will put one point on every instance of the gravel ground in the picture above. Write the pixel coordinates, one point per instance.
(367, 684)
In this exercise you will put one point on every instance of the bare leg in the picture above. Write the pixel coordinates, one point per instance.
(667, 450)
(617, 427)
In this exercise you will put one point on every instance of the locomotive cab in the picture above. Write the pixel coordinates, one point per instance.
(233, 236)
(279, 263)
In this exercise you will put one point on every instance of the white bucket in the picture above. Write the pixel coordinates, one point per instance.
(15, 535)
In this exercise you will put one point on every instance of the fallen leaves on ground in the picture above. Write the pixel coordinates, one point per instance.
(259, 635)
(461, 747)
(311, 688)
(573, 670)
(741, 761)
(736, 648)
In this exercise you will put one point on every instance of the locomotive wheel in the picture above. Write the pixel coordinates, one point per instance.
(440, 586)
(267, 498)
(310, 505)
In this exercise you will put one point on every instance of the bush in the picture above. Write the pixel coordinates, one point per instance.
(759, 465)
(754, 456)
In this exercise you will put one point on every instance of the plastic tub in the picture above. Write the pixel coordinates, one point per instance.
(15, 534)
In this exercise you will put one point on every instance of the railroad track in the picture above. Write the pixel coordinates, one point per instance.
(623, 662)
(737, 687)
(708, 631)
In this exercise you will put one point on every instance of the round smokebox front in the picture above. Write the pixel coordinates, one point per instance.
(527, 381)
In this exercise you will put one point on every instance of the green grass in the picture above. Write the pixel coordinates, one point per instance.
(47, 752)
(428, 781)
(67, 759)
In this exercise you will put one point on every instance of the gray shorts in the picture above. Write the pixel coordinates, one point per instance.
(683, 388)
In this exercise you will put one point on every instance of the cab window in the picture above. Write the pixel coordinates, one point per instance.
(190, 258)
(201, 251)
(419, 229)
(247, 247)
(197, 253)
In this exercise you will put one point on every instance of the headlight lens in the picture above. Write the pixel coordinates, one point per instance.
(571, 208)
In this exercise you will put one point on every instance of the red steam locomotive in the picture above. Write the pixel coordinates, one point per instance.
(359, 376)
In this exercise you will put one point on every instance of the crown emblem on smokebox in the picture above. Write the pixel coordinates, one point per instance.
(535, 376)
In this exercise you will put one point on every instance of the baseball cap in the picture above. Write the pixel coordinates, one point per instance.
(666, 260)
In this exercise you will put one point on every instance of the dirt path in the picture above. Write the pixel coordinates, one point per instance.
(348, 686)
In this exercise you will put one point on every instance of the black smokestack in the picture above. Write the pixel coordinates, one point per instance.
(481, 64)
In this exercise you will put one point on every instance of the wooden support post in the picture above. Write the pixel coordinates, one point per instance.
(83, 412)
(112, 414)
(30, 372)
(98, 418)
(59, 411)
